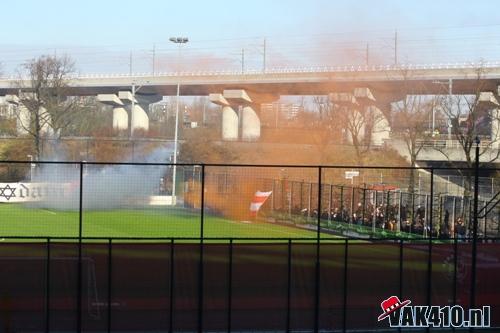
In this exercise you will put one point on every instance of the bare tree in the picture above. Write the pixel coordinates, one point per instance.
(474, 116)
(326, 125)
(411, 120)
(359, 122)
(45, 108)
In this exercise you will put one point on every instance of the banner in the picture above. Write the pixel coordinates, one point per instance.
(258, 200)
(26, 192)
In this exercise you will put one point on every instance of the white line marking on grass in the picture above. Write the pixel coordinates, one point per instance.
(49, 211)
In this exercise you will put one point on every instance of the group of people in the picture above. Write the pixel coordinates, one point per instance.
(387, 216)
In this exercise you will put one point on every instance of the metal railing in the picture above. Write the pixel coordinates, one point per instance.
(285, 70)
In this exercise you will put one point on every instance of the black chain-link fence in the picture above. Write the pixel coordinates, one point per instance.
(126, 247)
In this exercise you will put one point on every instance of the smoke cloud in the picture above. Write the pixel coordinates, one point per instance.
(104, 186)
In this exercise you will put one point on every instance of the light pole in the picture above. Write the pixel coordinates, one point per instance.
(450, 92)
(32, 166)
(179, 41)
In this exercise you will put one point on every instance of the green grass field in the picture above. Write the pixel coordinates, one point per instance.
(18, 220)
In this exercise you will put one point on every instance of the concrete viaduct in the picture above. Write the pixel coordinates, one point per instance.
(363, 86)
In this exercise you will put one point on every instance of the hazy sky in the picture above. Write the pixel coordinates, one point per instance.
(101, 34)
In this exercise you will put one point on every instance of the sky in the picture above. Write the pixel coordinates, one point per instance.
(119, 36)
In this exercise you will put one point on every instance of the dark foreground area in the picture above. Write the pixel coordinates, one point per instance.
(232, 285)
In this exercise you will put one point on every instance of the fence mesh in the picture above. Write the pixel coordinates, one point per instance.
(221, 248)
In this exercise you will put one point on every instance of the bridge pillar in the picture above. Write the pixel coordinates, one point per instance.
(376, 120)
(229, 124)
(140, 119)
(488, 101)
(120, 115)
(495, 128)
(233, 99)
(120, 118)
(23, 120)
(371, 123)
(22, 114)
(381, 128)
(250, 124)
(230, 120)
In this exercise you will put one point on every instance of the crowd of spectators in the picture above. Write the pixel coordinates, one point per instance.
(387, 217)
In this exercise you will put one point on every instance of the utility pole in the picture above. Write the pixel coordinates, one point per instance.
(243, 61)
(130, 64)
(154, 58)
(264, 58)
(395, 47)
(367, 54)
(132, 113)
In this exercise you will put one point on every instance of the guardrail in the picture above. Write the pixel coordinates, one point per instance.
(449, 144)
(284, 70)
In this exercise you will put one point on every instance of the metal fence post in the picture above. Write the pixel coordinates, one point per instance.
(455, 262)
(429, 258)
(318, 236)
(400, 271)
(230, 286)
(474, 231)
(289, 285)
(201, 266)
(79, 277)
(342, 202)
(110, 279)
(171, 291)
(344, 301)
(330, 203)
(364, 205)
(47, 289)
(401, 267)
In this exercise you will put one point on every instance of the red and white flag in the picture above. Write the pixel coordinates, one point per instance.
(258, 200)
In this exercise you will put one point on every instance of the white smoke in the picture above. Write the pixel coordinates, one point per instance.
(104, 186)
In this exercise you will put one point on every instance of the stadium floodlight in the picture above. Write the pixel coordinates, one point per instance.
(179, 41)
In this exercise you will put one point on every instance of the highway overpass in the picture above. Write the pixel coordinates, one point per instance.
(234, 90)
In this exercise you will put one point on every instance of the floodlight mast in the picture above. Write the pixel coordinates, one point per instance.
(179, 41)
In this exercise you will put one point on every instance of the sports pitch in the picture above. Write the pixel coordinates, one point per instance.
(18, 220)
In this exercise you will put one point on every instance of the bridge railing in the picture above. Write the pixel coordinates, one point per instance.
(448, 144)
(285, 70)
